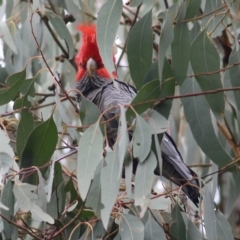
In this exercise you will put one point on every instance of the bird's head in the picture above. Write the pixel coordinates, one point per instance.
(88, 59)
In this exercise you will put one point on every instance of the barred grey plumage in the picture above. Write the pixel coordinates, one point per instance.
(104, 94)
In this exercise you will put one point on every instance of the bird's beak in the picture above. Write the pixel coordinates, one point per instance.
(91, 66)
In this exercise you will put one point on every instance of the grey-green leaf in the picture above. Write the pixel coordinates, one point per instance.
(7, 199)
(139, 49)
(178, 228)
(89, 112)
(142, 139)
(165, 39)
(234, 75)
(205, 59)
(62, 31)
(122, 139)
(209, 215)
(107, 25)
(109, 185)
(64, 113)
(24, 193)
(192, 231)
(7, 37)
(224, 230)
(152, 230)
(181, 47)
(144, 181)
(198, 116)
(90, 151)
(156, 121)
(131, 228)
(94, 195)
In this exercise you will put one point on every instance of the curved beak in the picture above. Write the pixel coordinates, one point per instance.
(91, 66)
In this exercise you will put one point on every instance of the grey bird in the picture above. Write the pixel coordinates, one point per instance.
(95, 83)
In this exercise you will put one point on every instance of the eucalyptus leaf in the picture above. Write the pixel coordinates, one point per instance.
(109, 185)
(40, 145)
(209, 215)
(144, 181)
(139, 49)
(205, 61)
(15, 81)
(178, 228)
(90, 151)
(89, 112)
(25, 195)
(131, 228)
(62, 31)
(25, 126)
(142, 139)
(107, 25)
(7, 198)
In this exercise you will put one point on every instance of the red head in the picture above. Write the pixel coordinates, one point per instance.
(89, 50)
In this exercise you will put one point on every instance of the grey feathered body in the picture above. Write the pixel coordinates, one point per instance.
(104, 94)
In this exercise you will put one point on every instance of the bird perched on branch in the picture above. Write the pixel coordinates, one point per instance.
(95, 83)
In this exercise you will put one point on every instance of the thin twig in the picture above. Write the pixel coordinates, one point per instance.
(21, 227)
(125, 44)
(51, 72)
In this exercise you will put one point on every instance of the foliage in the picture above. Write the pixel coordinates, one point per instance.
(58, 180)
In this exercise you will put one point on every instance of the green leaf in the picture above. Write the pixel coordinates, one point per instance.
(224, 230)
(7, 37)
(139, 49)
(193, 8)
(152, 230)
(205, 59)
(40, 145)
(109, 185)
(131, 227)
(14, 81)
(234, 75)
(70, 188)
(144, 182)
(89, 112)
(167, 90)
(24, 193)
(25, 126)
(7, 198)
(149, 91)
(107, 25)
(90, 150)
(142, 139)
(28, 87)
(178, 228)
(181, 47)
(198, 116)
(209, 215)
(62, 31)
(166, 37)
(58, 185)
